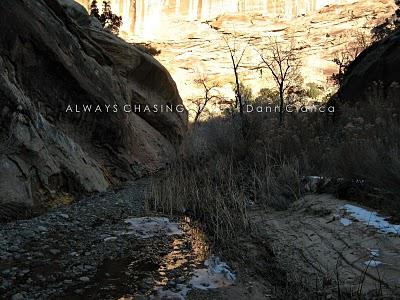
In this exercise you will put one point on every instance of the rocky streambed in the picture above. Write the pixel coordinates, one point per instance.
(103, 247)
(107, 247)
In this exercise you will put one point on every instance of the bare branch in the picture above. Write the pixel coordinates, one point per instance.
(284, 65)
(210, 91)
(236, 59)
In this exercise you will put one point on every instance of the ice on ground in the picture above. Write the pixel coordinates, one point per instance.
(147, 227)
(372, 219)
(374, 252)
(345, 221)
(217, 274)
(372, 263)
(315, 177)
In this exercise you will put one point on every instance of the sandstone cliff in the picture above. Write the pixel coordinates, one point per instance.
(52, 54)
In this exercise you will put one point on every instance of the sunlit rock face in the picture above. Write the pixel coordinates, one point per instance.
(191, 47)
(150, 18)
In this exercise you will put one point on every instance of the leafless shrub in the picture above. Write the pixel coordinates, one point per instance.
(211, 194)
(210, 94)
(217, 184)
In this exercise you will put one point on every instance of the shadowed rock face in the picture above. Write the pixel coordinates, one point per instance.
(53, 55)
(379, 63)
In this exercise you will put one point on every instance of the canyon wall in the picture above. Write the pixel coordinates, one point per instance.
(52, 55)
(148, 17)
(375, 73)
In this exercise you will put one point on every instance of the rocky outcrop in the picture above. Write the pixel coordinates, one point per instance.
(54, 58)
(378, 65)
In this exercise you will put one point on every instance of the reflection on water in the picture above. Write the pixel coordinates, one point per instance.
(190, 266)
(165, 261)
(149, 18)
(188, 252)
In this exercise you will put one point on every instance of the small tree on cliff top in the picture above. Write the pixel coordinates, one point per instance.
(391, 24)
(107, 19)
(94, 10)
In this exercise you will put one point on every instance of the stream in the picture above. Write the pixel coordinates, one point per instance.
(107, 247)
(175, 260)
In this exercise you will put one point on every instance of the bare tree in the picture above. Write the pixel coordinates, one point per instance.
(342, 60)
(209, 88)
(236, 55)
(283, 62)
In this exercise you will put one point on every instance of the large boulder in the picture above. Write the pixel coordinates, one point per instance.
(53, 60)
(378, 65)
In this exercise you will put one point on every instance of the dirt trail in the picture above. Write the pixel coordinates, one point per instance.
(314, 239)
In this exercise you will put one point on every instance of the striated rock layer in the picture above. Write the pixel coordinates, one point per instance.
(152, 18)
(192, 49)
(52, 54)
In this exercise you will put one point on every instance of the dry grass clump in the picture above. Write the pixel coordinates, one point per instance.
(219, 176)
(367, 150)
(211, 194)
(361, 147)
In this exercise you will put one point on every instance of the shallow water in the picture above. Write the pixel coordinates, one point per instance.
(170, 259)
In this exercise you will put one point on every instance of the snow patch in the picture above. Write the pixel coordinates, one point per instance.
(345, 221)
(217, 274)
(371, 219)
(315, 177)
(372, 263)
(374, 252)
(147, 227)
